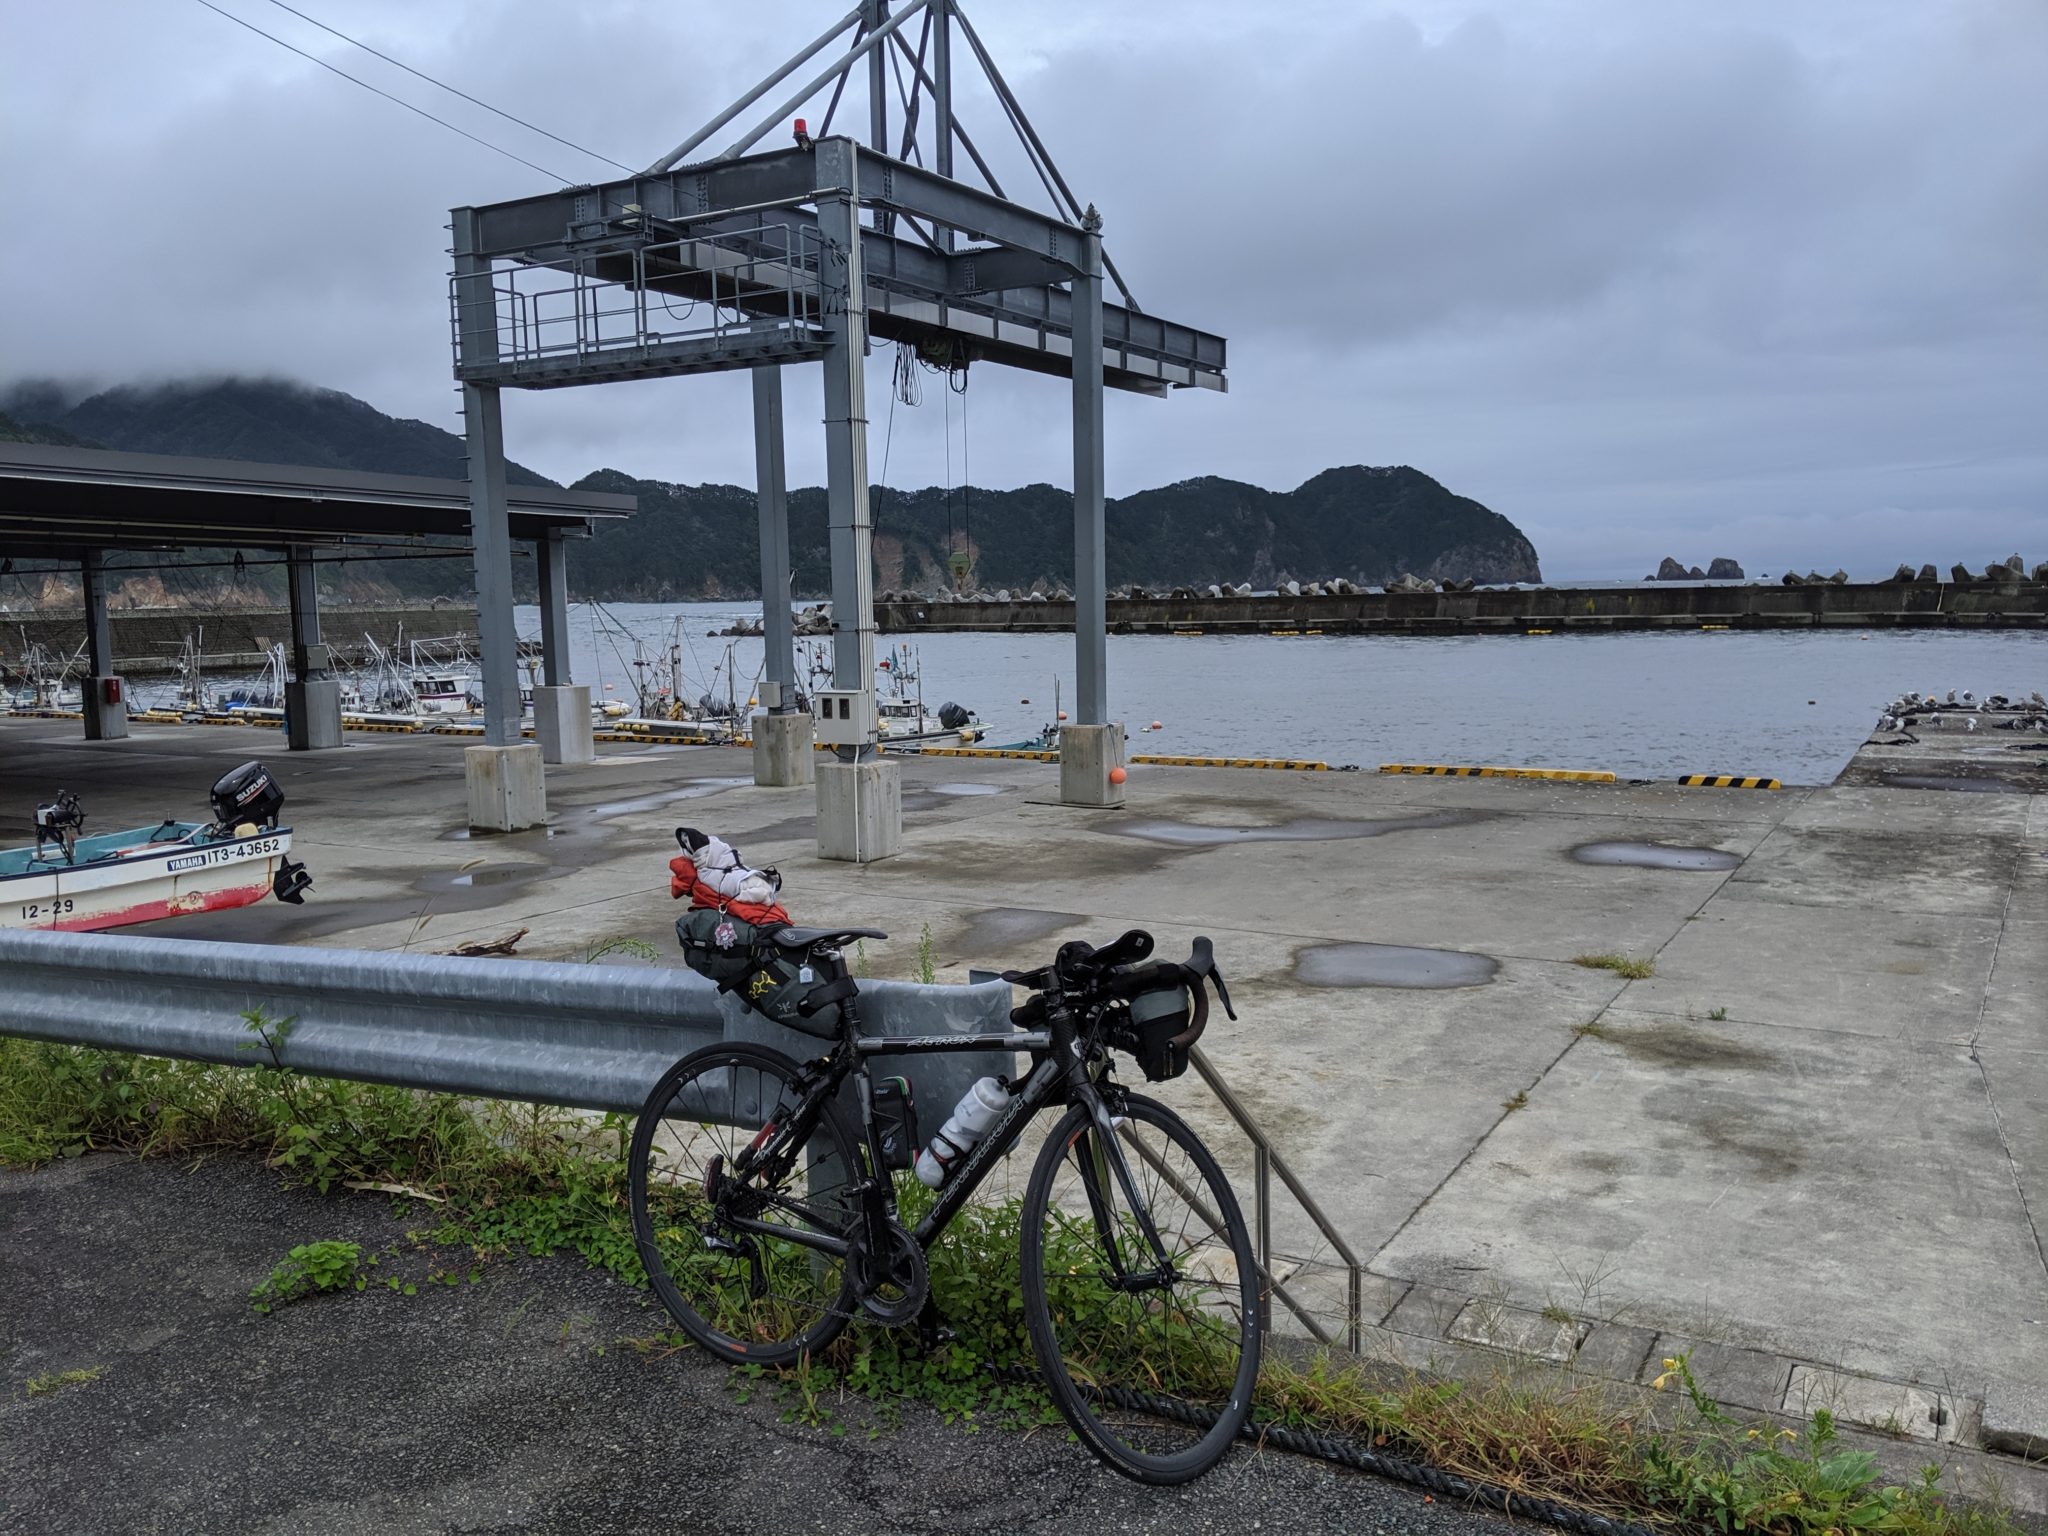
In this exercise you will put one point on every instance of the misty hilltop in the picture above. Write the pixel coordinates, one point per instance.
(1369, 524)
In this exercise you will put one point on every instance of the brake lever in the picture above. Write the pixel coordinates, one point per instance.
(1222, 992)
(1202, 961)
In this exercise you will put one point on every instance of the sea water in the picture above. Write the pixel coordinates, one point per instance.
(1791, 705)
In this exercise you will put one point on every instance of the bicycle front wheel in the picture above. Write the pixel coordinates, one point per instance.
(724, 1190)
(1150, 1351)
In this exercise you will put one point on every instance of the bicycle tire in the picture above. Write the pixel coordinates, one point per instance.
(744, 1297)
(1103, 1352)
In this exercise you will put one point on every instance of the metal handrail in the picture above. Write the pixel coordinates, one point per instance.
(1267, 1161)
(766, 274)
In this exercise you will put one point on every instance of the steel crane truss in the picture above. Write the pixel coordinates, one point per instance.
(718, 266)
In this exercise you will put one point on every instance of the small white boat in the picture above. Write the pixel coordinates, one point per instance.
(77, 883)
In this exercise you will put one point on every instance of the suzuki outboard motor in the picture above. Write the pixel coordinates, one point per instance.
(248, 793)
(952, 716)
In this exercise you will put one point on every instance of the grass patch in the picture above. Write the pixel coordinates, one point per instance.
(1717, 1014)
(1594, 1448)
(504, 1179)
(1593, 1028)
(51, 1383)
(1519, 1101)
(1621, 965)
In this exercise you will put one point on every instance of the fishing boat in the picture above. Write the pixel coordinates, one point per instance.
(75, 882)
(899, 701)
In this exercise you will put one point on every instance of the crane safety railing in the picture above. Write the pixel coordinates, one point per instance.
(762, 277)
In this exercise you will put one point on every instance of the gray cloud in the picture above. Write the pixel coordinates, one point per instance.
(1646, 277)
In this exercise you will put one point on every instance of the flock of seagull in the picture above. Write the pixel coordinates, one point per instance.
(1911, 710)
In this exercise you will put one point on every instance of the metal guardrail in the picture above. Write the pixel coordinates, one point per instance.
(587, 1036)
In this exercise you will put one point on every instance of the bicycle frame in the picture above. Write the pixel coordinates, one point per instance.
(1062, 1067)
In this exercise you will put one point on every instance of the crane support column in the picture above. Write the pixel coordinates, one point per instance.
(1092, 747)
(782, 730)
(860, 793)
(561, 709)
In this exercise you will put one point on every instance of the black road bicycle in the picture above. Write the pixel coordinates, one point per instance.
(765, 1209)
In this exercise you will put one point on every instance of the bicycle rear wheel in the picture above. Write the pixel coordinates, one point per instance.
(712, 1150)
(1153, 1370)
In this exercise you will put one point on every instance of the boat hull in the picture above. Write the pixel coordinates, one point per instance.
(154, 880)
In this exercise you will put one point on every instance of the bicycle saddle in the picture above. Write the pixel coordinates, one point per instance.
(805, 938)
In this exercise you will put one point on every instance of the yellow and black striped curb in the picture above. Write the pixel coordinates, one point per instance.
(1456, 771)
(1301, 765)
(1017, 752)
(1727, 781)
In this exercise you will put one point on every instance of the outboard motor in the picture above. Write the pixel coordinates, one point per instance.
(248, 793)
(58, 824)
(952, 716)
(291, 882)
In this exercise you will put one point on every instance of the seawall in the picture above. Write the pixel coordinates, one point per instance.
(2020, 604)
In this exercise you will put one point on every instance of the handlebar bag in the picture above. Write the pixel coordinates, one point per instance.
(1160, 1033)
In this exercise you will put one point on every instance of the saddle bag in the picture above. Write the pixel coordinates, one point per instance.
(742, 957)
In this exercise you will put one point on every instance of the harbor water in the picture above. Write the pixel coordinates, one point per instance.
(1793, 706)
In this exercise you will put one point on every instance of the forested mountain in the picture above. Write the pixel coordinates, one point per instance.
(687, 541)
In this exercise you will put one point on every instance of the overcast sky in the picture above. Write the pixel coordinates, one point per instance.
(1763, 278)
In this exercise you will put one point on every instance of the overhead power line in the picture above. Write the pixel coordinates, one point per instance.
(399, 100)
(452, 90)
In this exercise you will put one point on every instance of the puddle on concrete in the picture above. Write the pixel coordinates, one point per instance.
(965, 789)
(482, 877)
(1306, 829)
(1673, 1045)
(1654, 856)
(696, 789)
(998, 928)
(1391, 965)
(1949, 781)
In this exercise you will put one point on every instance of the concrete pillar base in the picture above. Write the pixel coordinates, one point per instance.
(1087, 754)
(103, 721)
(507, 787)
(312, 714)
(860, 809)
(782, 749)
(561, 723)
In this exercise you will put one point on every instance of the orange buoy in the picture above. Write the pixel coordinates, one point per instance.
(1117, 775)
(1157, 726)
(1063, 714)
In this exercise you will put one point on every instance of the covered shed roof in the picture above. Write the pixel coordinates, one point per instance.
(57, 503)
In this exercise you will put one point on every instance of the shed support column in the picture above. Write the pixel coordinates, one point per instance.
(782, 731)
(860, 794)
(1092, 748)
(506, 788)
(104, 720)
(561, 710)
(312, 695)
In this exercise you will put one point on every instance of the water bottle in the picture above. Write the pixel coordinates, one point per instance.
(979, 1108)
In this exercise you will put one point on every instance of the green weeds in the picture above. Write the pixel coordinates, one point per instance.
(51, 1383)
(310, 1269)
(1620, 965)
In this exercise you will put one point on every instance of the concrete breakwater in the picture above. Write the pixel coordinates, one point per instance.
(147, 641)
(2018, 603)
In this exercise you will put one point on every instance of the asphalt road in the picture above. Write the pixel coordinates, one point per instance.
(506, 1405)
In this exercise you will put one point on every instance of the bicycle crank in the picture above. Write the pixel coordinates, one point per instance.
(892, 1291)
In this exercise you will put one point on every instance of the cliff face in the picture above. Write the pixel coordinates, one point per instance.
(1367, 524)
